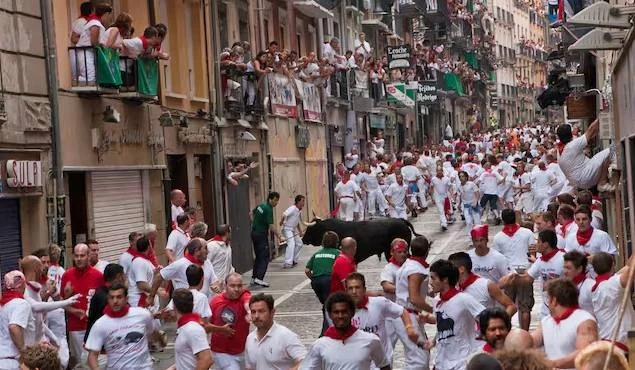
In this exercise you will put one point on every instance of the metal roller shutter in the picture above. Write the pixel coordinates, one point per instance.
(118, 210)
(10, 238)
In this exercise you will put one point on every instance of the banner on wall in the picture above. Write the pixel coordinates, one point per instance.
(282, 96)
(311, 104)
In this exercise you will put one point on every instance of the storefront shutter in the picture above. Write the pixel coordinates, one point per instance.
(10, 238)
(117, 209)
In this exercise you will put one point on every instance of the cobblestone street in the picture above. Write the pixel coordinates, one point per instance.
(298, 308)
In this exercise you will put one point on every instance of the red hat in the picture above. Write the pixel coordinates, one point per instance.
(480, 231)
(400, 246)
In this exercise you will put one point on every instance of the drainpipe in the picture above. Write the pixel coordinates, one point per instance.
(57, 233)
(215, 91)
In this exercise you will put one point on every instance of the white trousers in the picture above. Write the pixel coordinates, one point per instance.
(76, 347)
(525, 203)
(86, 63)
(423, 190)
(472, 217)
(347, 209)
(225, 361)
(398, 212)
(439, 201)
(541, 200)
(376, 199)
(294, 244)
(417, 358)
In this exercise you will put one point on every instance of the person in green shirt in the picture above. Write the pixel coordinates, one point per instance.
(319, 269)
(261, 225)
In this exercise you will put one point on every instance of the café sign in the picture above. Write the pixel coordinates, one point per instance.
(24, 174)
(398, 56)
(427, 93)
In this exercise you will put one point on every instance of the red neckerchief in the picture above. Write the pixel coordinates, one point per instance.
(134, 253)
(9, 295)
(487, 348)
(560, 147)
(142, 255)
(565, 315)
(583, 237)
(33, 286)
(188, 317)
(345, 181)
(547, 256)
(440, 177)
(192, 259)
(144, 42)
(43, 280)
(54, 264)
(394, 261)
(488, 171)
(121, 313)
(92, 17)
(600, 278)
(217, 238)
(511, 229)
(579, 278)
(333, 333)
(421, 260)
(469, 281)
(595, 207)
(564, 227)
(363, 303)
(143, 300)
(447, 296)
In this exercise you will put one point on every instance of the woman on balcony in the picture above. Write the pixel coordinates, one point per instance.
(90, 38)
(113, 37)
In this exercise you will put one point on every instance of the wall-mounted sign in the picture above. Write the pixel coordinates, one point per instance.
(282, 96)
(398, 56)
(427, 93)
(202, 135)
(377, 121)
(24, 174)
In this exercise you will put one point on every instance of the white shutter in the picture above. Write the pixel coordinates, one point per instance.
(117, 209)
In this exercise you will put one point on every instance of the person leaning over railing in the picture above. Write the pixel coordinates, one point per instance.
(90, 36)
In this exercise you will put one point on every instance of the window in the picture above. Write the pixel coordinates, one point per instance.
(299, 40)
(282, 33)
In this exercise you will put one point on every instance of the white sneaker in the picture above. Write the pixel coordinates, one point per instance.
(261, 283)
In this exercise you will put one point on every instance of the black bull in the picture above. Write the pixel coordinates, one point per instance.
(373, 237)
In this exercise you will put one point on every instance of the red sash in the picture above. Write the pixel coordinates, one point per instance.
(469, 281)
(9, 295)
(333, 333)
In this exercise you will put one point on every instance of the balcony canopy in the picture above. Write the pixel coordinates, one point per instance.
(312, 9)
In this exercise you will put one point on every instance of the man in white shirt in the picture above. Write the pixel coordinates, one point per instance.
(346, 192)
(439, 190)
(292, 231)
(93, 256)
(271, 346)
(454, 316)
(191, 346)
(15, 318)
(411, 176)
(486, 262)
(125, 260)
(494, 324)
(330, 52)
(575, 269)
(469, 195)
(513, 242)
(522, 187)
(375, 197)
(57, 318)
(581, 171)
(140, 275)
(351, 159)
(343, 346)
(542, 182)
(587, 239)
(178, 238)
(489, 182)
(219, 252)
(177, 201)
(177, 271)
(396, 198)
(122, 333)
(362, 46)
(566, 222)
(567, 330)
(607, 294)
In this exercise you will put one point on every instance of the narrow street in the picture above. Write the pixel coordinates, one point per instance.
(298, 308)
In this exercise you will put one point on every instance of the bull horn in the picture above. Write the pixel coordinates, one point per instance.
(307, 224)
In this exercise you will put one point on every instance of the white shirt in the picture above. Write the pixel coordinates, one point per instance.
(373, 319)
(351, 160)
(606, 300)
(191, 339)
(573, 161)
(410, 173)
(410, 267)
(176, 211)
(177, 241)
(347, 190)
(456, 331)
(125, 260)
(479, 290)
(389, 274)
(84, 38)
(472, 169)
(133, 49)
(125, 339)
(362, 48)
(176, 272)
(141, 271)
(541, 182)
(78, 25)
(585, 300)
(489, 181)
(279, 349)
(219, 254)
(440, 186)
(468, 192)
(55, 273)
(572, 228)
(355, 353)
(397, 194)
(547, 270)
(292, 218)
(515, 248)
(600, 242)
(103, 38)
(559, 339)
(492, 266)
(370, 179)
(16, 312)
(101, 265)
(201, 304)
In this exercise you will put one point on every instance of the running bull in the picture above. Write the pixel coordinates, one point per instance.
(373, 237)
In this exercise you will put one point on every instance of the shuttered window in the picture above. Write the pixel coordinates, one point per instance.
(10, 238)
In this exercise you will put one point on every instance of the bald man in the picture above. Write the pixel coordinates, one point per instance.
(177, 198)
(518, 340)
(85, 280)
(344, 264)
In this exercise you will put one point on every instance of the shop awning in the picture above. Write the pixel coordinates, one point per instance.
(312, 9)
(453, 82)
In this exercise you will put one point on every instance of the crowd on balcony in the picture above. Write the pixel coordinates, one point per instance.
(94, 28)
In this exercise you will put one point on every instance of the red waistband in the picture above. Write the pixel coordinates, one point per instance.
(619, 345)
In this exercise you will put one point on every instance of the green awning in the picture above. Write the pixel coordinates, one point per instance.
(471, 59)
(453, 82)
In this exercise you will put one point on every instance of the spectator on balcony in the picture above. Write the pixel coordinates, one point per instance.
(134, 48)
(77, 28)
(273, 53)
(231, 70)
(350, 60)
(162, 30)
(362, 46)
(310, 70)
(330, 52)
(113, 37)
(90, 37)
(255, 70)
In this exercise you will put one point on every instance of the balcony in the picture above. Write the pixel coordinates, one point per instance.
(436, 10)
(412, 7)
(243, 96)
(98, 70)
(339, 85)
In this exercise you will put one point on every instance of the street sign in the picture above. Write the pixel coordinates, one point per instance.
(427, 93)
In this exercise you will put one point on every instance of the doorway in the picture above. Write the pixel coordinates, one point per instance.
(177, 166)
(207, 194)
(78, 206)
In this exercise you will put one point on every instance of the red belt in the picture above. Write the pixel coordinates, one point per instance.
(619, 345)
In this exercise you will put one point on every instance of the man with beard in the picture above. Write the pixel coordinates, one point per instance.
(271, 346)
(494, 324)
(343, 346)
